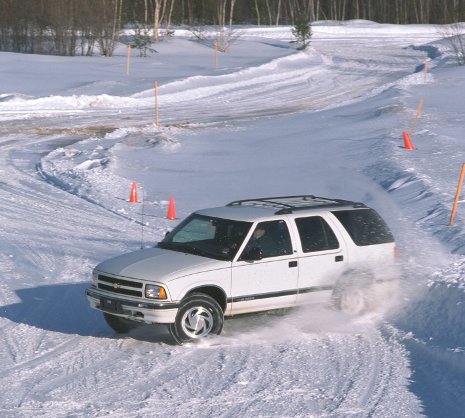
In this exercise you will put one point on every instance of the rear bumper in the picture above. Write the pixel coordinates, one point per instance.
(138, 310)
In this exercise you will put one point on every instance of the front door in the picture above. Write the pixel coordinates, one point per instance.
(266, 273)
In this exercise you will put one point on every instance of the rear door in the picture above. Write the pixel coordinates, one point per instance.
(322, 258)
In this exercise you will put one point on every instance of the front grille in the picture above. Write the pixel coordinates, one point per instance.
(120, 286)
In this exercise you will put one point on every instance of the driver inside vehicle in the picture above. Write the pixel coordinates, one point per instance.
(262, 240)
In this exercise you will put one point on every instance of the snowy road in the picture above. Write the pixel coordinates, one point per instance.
(66, 161)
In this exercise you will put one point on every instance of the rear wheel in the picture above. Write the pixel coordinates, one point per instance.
(120, 325)
(198, 317)
(353, 294)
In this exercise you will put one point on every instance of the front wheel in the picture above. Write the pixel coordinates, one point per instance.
(198, 317)
(120, 325)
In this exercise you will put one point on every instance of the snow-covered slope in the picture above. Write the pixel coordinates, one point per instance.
(74, 133)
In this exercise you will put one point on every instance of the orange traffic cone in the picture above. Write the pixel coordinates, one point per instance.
(171, 209)
(407, 142)
(133, 196)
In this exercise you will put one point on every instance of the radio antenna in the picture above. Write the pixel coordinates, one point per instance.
(142, 220)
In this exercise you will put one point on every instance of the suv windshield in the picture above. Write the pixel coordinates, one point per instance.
(207, 236)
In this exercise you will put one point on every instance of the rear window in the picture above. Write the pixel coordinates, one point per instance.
(364, 226)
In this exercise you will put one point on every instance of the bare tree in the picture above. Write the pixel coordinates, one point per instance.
(278, 12)
(454, 34)
(162, 12)
(225, 36)
(156, 19)
(257, 10)
(108, 26)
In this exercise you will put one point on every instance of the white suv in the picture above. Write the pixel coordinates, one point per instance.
(249, 256)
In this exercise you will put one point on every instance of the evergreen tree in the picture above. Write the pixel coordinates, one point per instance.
(302, 31)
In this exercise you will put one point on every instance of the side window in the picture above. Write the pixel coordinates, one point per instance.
(315, 234)
(364, 226)
(272, 237)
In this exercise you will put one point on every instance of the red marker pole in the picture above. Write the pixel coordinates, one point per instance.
(416, 117)
(457, 195)
(215, 48)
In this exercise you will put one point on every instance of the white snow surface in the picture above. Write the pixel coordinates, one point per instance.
(267, 120)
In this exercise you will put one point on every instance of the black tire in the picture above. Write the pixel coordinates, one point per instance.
(198, 317)
(120, 325)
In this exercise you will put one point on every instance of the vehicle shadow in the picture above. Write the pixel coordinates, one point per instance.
(64, 308)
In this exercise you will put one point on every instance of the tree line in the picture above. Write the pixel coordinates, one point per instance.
(61, 27)
(80, 27)
(284, 12)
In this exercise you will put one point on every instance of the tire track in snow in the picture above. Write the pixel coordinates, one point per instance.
(268, 379)
(37, 343)
(303, 81)
(372, 362)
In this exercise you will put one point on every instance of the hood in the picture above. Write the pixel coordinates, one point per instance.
(157, 264)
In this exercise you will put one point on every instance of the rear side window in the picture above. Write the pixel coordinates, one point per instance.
(364, 226)
(316, 234)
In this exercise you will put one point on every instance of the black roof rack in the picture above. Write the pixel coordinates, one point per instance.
(289, 204)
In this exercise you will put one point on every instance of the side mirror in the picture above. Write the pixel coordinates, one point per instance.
(253, 254)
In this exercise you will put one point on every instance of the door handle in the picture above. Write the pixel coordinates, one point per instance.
(292, 264)
(339, 258)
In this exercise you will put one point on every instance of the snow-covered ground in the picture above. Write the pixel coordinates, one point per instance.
(266, 120)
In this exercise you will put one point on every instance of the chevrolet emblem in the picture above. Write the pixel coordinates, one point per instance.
(116, 285)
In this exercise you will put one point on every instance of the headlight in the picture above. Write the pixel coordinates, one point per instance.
(154, 292)
(94, 277)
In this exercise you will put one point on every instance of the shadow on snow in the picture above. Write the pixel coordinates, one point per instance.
(64, 308)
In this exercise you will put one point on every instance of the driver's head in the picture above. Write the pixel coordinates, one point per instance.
(259, 232)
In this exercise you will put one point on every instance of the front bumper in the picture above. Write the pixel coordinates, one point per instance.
(138, 310)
